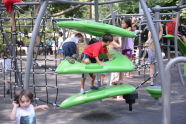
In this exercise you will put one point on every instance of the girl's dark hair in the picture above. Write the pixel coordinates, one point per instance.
(60, 33)
(93, 40)
(128, 21)
(22, 93)
(107, 37)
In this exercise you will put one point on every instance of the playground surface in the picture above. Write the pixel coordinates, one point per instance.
(106, 111)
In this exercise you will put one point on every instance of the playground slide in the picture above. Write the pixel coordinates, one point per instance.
(181, 47)
(96, 28)
(181, 44)
(119, 63)
(101, 93)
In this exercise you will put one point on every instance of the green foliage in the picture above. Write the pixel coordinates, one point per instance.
(129, 6)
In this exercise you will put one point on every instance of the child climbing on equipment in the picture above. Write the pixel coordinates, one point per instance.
(84, 76)
(9, 6)
(23, 111)
(70, 45)
(92, 53)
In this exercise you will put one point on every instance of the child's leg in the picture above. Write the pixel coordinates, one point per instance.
(7, 85)
(82, 90)
(151, 72)
(93, 79)
(12, 21)
(86, 60)
(121, 76)
(83, 83)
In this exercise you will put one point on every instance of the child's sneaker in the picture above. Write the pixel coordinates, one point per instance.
(82, 91)
(70, 60)
(94, 88)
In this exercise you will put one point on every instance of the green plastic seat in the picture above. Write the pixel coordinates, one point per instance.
(155, 91)
(101, 93)
(119, 63)
(96, 28)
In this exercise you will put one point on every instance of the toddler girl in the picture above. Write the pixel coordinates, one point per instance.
(23, 111)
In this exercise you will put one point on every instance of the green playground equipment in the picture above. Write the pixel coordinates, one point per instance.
(181, 47)
(101, 93)
(96, 28)
(155, 91)
(119, 63)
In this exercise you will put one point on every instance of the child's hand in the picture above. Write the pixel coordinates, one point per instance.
(15, 104)
(110, 59)
(101, 63)
(43, 107)
(111, 54)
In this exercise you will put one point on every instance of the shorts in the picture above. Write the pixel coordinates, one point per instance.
(92, 60)
(151, 56)
(60, 51)
(127, 52)
(9, 4)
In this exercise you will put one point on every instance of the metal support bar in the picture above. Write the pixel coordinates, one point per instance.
(156, 42)
(166, 89)
(96, 10)
(178, 7)
(176, 40)
(67, 1)
(112, 15)
(129, 15)
(31, 45)
(6, 39)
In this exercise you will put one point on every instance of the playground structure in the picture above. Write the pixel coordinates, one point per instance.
(165, 77)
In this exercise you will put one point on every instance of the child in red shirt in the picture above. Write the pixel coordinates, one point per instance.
(92, 53)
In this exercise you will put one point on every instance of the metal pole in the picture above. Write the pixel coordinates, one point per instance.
(176, 44)
(96, 10)
(167, 89)
(67, 1)
(170, 8)
(31, 45)
(156, 42)
(157, 25)
(112, 14)
(168, 48)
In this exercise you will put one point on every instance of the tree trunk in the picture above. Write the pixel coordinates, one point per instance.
(69, 9)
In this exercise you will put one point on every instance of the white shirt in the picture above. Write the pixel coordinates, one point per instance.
(60, 42)
(6, 64)
(72, 39)
(29, 112)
